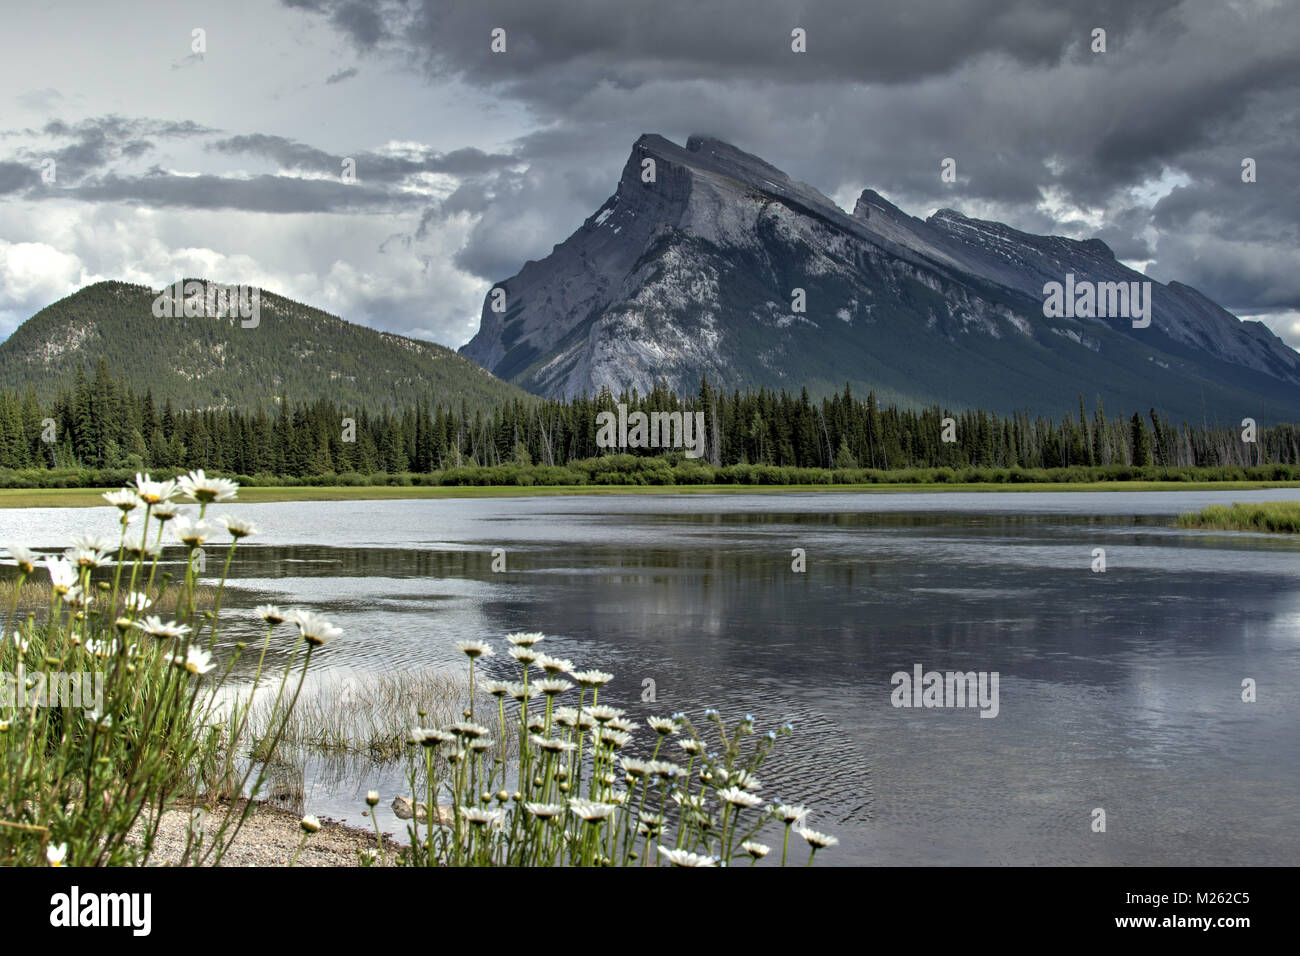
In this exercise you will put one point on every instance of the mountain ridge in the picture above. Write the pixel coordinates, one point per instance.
(691, 275)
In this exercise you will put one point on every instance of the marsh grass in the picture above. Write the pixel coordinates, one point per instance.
(1279, 517)
(33, 596)
(368, 716)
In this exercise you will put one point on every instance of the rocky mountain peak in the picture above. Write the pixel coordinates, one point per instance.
(692, 273)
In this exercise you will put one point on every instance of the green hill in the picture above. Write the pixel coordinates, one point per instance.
(203, 362)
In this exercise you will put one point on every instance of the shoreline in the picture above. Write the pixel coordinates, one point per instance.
(91, 497)
(269, 837)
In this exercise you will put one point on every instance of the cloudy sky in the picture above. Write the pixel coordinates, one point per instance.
(228, 163)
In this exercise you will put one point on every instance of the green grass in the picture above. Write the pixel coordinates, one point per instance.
(88, 497)
(1279, 517)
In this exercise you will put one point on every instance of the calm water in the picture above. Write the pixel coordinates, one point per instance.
(1119, 690)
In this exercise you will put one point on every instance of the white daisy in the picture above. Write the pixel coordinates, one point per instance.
(464, 728)
(591, 678)
(314, 628)
(26, 560)
(603, 714)
(818, 840)
(790, 814)
(755, 849)
(196, 661)
(525, 640)
(154, 492)
(125, 499)
(93, 542)
(480, 818)
(154, 627)
(238, 527)
(553, 665)
(689, 801)
(193, 531)
(197, 486)
(519, 692)
(101, 648)
(309, 823)
(56, 854)
(164, 511)
(667, 769)
(62, 574)
(136, 601)
(524, 655)
(429, 737)
(85, 557)
(552, 744)
(739, 798)
(271, 614)
(552, 686)
(635, 768)
(590, 810)
(141, 550)
(613, 739)
(475, 649)
(682, 858)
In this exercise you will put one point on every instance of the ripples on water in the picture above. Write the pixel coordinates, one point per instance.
(1118, 690)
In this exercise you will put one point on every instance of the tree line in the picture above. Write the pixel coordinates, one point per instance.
(102, 423)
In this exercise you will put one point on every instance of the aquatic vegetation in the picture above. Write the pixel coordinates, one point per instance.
(367, 714)
(113, 714)
(1273, 516)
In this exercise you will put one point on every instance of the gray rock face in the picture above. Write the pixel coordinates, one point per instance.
(695, 274)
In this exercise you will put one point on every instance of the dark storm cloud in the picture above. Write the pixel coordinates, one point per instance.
(1043, 130)
(273, 194)
(98, 142)
(287, 152)
(360, 21)
(91, 153)
(371, 166)
(633, 42)
(16, 176)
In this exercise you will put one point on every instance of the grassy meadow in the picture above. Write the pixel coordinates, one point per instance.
(91, 497)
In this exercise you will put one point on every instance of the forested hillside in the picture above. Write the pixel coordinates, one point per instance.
(103, 423)
(218, 363)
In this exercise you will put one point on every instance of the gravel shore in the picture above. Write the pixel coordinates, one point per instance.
(268, 838)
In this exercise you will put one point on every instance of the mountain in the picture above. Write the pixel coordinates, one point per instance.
(203, 362)
(693, 274)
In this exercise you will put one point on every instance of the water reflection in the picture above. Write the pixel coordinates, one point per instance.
(1119, 690)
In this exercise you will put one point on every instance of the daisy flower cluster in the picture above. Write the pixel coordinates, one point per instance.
(163, 724)
(582, 791)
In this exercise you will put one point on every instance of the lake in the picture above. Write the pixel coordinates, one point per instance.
(1119, 690)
